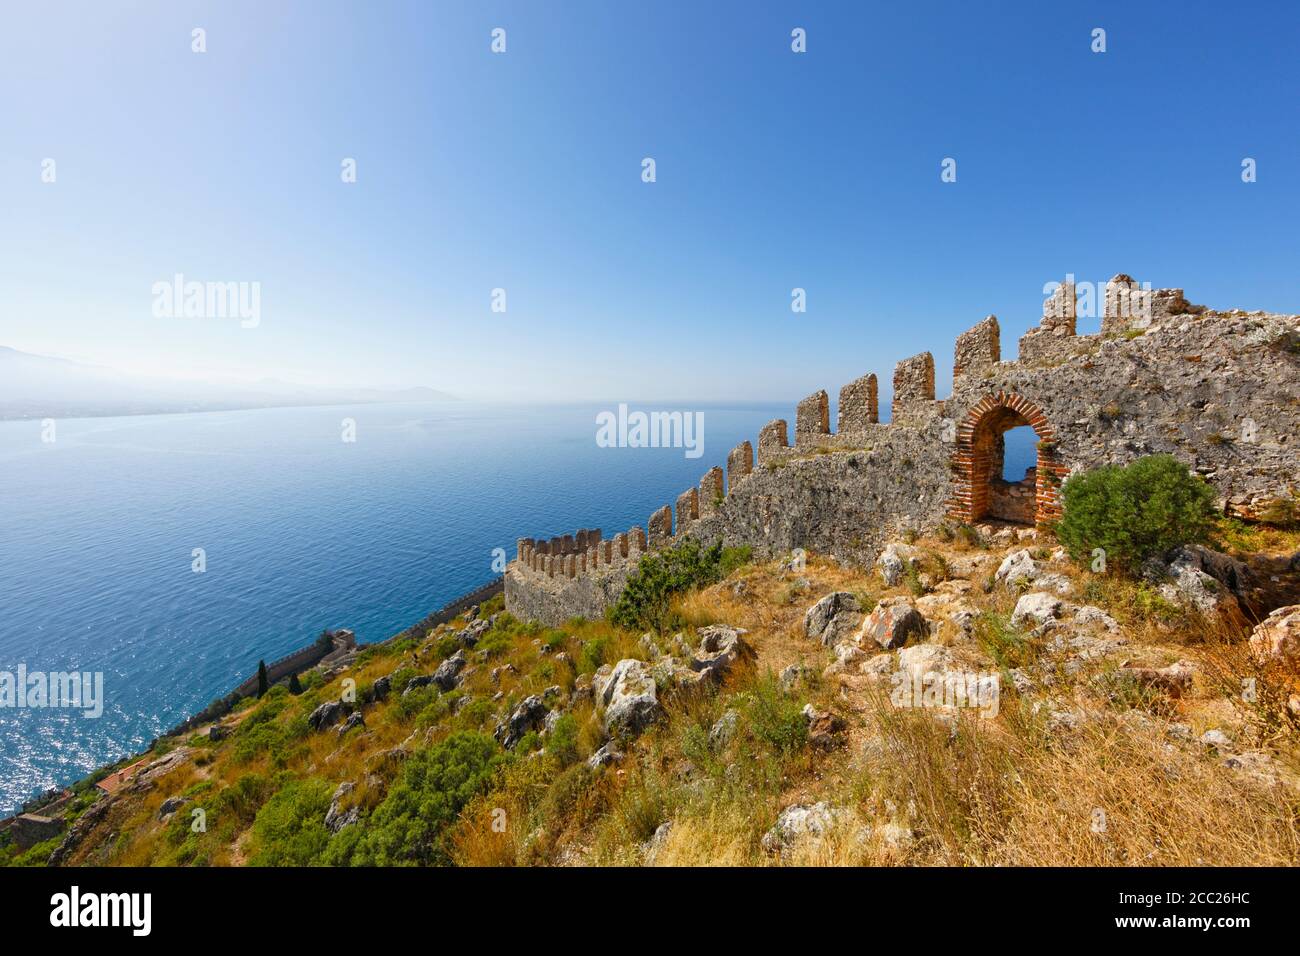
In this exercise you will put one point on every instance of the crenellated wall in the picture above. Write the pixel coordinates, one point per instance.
(1219, 390)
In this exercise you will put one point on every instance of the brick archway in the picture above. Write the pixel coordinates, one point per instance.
(978, 446)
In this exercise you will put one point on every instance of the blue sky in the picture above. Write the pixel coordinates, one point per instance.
(522, 170)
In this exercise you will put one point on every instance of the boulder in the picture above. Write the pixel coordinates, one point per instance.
(833, 618)
(604, 757)
(381, 688)
(825, 730)
(799, 823)
(528, 716)
(1016, 567)
(415, 683)
(629, 696)
(921, 659)
(794, 675)
(1277, 637)
(1035, 609)
(720, 647)
(170, 806)
(1173, 680)
(327, 715)
(354, 721)
(1192, 586)
(723, 729)
(894, 562)
(336, 818)
(447, 676)
(470, 635)
(893, 623)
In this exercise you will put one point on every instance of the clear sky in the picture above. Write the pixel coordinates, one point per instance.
(522, 171)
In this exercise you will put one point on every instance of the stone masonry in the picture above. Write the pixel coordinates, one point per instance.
(1219, 390)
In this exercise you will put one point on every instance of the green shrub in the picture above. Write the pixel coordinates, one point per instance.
(1135, 512)
(776, 718)
(646, 601)
(562, 744)
(408, 827)
(290, 828)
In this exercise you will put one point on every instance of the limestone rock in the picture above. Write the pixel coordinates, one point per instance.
(833, 618)
(327, 715)
(794, 675)
(447, 676)
(799, 823)
(354, 721)
(604, 757)
(720, 647)
(336, 818)
(170, 806)
(1277, 637)
(1174, 680)
(1016, 567)
(723, 729)
(528, 716)
(893, 623)
(1035, 609)
(894, 561)
(825, 729)
(628, 695)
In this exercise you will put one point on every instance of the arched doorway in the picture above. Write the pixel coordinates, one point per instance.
(977, 465)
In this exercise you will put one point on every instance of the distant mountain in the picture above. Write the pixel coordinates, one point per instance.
(38, 386)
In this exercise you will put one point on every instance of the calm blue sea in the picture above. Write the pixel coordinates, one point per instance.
(301, 531)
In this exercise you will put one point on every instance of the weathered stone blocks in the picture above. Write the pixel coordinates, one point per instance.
(913, 383)
(859, 406)
(660, 527)
(688, 509)
(711, 491)
(772, 440)
(812, 418)
(978, 348)
(739, 464)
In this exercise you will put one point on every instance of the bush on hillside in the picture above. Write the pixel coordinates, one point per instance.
(435, 784)
(646, 601)
(1135, 512)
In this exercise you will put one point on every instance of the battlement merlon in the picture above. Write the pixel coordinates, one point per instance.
(859, 406)
(913, 385)
(977, 349)
(812, 419)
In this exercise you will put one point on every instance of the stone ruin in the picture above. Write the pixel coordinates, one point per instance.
(1220, 390)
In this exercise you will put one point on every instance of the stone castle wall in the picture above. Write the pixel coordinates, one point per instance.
(1219, 390)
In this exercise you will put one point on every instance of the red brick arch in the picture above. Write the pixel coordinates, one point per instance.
(988, 418)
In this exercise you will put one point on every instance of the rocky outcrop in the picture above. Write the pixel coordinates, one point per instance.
(327, 715)
(833, 619)
(447, 676)
(799, 823)
(336, 818)
(719, 649)
(628, 695)
(1277, 637)
(893, 623)
(529, 716)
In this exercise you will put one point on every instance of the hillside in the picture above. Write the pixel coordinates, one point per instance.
(1110, 721)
